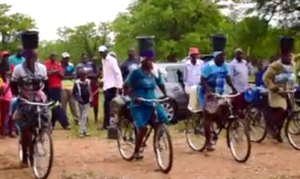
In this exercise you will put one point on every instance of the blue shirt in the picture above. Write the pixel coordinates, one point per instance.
(258, 77)
(142, 84)
(14, 60)
(215, 76)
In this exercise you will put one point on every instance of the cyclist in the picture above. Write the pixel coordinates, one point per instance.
(30, 68)
(213, 77)
(276, 78)
(142, 83)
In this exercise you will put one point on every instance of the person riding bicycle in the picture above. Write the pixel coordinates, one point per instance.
(277, 78)
(29, 69)
(213, 77)
(142, 83)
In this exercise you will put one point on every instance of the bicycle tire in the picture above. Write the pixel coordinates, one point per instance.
(231, 124)
(194, 124)
(265, 128)
(50, 163)
(121, 137)
(288, 133)
(162, 128)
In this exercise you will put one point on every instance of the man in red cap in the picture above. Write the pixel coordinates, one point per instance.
(192, 69)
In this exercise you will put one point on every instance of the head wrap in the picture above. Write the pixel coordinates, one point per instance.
(286, 44)
(146, 46)
(217, 53)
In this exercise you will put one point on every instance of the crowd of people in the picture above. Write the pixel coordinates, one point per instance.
(76, 86)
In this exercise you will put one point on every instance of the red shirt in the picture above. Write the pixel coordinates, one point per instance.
(54, 80)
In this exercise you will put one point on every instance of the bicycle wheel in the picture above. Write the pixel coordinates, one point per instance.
(42, 148)
(162, 137)
(257, 124)
(237, 132)
(292, 130)
(194, 132)
(126, 139)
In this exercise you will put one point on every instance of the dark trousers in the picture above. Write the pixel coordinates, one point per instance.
(7, 125)
(58, 114)
(109, 95)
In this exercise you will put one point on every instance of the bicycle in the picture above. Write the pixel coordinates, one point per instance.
(255, 117)
(232, 125)
(160, 130)
(40, 135)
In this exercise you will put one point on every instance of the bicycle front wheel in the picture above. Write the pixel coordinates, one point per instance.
(163, 148)
(238, 140)
(194, 132)
(126, 139)
(292, 130)
(42, 155)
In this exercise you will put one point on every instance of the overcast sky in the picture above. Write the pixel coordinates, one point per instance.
(51, 14)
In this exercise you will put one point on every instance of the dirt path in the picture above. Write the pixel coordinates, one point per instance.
(99, 159)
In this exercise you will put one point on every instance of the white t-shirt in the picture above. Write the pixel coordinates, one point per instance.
(112, 76)
(21, 71)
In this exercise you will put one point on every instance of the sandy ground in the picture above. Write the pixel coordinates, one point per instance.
(92, 158)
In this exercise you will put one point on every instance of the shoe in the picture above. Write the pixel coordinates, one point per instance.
(210, 147)
(67, 128)
(138, 156)
(278, 138)
(81, 135)
(86, 134)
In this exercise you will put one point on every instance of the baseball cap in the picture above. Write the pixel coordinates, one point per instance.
(3, 53)
(65, 55)
(102, 48)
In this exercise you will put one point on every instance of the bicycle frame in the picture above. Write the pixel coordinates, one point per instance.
(151, 122)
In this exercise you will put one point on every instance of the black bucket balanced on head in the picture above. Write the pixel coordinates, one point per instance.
(145, 45)
(30, 39)
(218, 42)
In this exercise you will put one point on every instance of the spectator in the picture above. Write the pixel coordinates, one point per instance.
(17, 58)
(192, 70)
(67, 85)
(112, 81)
(6, 95)
(95, 84)
(82, 93)
(5, 69)
(130, 63)
(55, 74)
(92, 74)
(259, 74)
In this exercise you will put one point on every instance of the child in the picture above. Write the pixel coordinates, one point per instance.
(83, 94)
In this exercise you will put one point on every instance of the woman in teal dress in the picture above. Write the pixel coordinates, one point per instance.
(142, 83)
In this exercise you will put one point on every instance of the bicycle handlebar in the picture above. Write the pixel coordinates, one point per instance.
(154, 100)
(36, 103)
(226, 95)
(288, 91)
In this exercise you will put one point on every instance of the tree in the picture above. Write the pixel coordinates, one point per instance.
(84, 38)
(176, 24)
(11, 25)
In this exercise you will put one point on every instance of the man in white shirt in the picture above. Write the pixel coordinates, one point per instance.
(112, 81)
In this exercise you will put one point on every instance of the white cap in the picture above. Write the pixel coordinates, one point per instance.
(102, 48)
(65, 55)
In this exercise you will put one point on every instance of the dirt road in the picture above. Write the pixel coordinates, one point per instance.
(98, 159)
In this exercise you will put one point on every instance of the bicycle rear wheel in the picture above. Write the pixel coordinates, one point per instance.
(162, 135)
(126, 138)
(194, 132)
(40, 151)
(237, 132)
(292, 130)
(257, 124)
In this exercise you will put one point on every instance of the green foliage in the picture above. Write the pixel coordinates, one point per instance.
(11, 25)
(176, 25)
